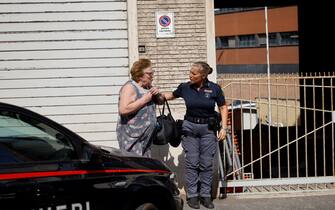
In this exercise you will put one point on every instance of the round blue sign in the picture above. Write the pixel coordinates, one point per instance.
(164, 21)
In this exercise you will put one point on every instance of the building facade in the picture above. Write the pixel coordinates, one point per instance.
(241, 40)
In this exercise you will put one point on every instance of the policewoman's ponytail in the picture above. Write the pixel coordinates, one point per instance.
(203, 67)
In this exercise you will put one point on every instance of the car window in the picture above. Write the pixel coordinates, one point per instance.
(25, 139)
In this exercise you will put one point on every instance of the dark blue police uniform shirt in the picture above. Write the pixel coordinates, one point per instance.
(200, 103)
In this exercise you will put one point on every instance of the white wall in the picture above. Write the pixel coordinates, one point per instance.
(66, 59)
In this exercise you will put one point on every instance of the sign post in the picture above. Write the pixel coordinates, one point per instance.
(165, 24)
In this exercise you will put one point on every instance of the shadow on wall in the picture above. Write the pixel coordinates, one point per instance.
(216, 177)
(168, 155)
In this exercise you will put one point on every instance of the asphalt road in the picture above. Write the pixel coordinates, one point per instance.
(278, 202)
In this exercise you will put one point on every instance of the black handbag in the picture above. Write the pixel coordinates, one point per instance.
(177, 139)
(166, 129)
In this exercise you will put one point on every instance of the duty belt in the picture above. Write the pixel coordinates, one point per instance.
(197, 120)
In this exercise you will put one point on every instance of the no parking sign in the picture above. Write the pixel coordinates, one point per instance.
(165, 24)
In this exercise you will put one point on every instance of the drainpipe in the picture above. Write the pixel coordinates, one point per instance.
(268, 66)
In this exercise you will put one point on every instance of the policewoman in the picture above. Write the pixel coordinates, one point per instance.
(200, 140)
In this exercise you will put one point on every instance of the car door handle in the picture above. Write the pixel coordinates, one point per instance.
(5, 196)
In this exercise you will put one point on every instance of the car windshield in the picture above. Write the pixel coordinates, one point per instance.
(15, 127)
(25, 139)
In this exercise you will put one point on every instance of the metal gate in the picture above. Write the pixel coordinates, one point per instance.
(282, 133)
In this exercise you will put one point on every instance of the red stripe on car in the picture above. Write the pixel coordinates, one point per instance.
(28, 175)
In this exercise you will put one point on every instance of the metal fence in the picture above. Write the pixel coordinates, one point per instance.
(282, 133)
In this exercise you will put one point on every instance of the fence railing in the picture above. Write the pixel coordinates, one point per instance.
(285, 133)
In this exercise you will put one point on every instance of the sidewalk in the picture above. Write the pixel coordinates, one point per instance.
(301, 200)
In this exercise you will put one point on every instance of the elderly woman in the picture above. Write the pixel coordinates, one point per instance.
(200, 141)
(137, 114)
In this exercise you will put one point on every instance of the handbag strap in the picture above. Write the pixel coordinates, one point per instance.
(132, 145)
(159, 109)
(167, 104)
(163, 109)
(135, 142)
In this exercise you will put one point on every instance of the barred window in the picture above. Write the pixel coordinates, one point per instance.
(289, 38)
(247, 41)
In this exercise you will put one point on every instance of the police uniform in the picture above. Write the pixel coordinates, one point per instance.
(199, 142)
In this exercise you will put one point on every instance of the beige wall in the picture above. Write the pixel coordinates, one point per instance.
(172, 57)
(285, 94)
(253, 86)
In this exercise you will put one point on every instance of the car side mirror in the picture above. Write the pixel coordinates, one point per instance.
(91, 154)
(95, 158)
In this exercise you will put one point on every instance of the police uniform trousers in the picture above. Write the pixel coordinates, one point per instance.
(199, 144)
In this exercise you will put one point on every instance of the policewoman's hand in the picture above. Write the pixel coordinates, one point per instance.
(222, 134)
(154, 91)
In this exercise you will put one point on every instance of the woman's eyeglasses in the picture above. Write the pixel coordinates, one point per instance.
(149, 73)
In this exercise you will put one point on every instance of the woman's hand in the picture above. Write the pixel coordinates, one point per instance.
(154, 91)
(168, 95)
(128, 103)
(153, 94)
(146, 98)
(224, 118)
(150, 95)
(222, 134)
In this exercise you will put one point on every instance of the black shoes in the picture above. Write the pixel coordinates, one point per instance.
(193, 203)
(207, 202)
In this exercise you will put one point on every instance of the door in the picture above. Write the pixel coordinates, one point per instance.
(37, 163)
